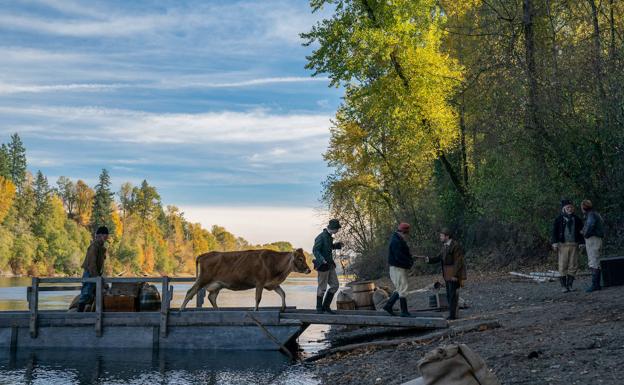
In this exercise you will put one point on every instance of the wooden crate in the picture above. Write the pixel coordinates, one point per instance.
(120, 303)
(612, 271)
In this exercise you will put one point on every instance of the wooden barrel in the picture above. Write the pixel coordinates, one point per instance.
(363, 294)
(149, 299)
(345, 305)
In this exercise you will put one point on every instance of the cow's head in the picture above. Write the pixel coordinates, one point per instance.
(299, 262)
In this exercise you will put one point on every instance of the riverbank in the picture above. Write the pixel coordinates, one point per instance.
(546, 337)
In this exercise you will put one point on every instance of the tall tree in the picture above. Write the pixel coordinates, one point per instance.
(84, 203)
(17, 161)
(102, 204)
(5, 162)
(67, 192)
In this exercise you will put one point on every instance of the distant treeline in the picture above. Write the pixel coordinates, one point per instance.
(476, 115)
(45, 230)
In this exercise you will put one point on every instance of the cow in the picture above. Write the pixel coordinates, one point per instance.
(244, 270)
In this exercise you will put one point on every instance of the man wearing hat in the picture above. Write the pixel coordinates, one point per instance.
(451, 258)
(325, 266)
(593, 232)
(400, 261)
(93, 266)
(566, 241)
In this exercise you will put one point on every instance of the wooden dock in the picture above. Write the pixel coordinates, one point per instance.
(199, 328)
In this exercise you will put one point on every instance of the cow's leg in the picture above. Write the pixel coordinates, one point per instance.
(258, 296)
(190, 294)
(212, 297)
(281, 293)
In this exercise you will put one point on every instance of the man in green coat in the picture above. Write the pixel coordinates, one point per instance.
(93, 266)
(325, 266)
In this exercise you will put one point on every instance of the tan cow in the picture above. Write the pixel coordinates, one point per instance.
(243, 270)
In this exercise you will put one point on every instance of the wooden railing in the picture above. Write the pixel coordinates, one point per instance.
(166, 296)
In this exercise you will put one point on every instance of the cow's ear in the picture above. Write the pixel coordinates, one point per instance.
(299, 250)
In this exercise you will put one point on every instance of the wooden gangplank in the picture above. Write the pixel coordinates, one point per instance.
(366, 319)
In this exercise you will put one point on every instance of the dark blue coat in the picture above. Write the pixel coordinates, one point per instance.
(399, 254)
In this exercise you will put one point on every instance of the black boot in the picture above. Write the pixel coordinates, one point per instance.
(319, 304)
(595, 282)
(327, 303)
(564, 283)
(391, 301)
(404, 312)
(570, 282)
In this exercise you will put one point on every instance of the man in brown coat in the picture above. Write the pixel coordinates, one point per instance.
(93, 266)
(451, 258)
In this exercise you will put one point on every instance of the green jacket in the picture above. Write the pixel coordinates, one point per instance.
(322, 250)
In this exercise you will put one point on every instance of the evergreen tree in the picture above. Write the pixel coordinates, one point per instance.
(5, 165)
(17, 161)
(102, 204)
(43, 206)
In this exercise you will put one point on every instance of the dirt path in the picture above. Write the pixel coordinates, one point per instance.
(578, 338)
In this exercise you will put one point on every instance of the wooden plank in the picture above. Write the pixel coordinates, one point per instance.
(341, 319)
(34, 304)
(428, 312)
(98, 306)
(60, 288)
(164, 307)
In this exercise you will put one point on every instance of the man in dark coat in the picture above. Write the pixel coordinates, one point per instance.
(567, 239)
(400, 261)
(325, 266)
(451, 258)
(93, 266)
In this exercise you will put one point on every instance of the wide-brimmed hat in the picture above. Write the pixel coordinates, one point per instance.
(102, 230)
(334, 224)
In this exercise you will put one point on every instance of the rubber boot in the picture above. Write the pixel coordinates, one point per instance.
(564, 283)
(327, 303)
(404, 312)
(390, 304)
(319, 304)
(570, 282)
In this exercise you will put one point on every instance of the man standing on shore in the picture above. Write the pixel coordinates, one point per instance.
(451, 258)
(325, 266)
(400, 261)
(593, 232)
(93, 266)
(567, 240)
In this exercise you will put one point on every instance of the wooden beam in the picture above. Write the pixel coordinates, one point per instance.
(340, 319)
(34, 304)
(98, 306)
(164, 307)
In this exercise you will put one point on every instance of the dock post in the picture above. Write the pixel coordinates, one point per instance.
(34, 304)
(164, 307)
(98, 306)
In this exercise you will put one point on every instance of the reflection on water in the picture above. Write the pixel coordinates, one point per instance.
(164, 367)
(147, 367)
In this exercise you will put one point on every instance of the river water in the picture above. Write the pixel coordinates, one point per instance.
(126, 366)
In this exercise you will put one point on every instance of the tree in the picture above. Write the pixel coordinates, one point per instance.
(67, 192)
(84, 203)
(17, 161)
(5, 162)
(7, 195)
(102, 204)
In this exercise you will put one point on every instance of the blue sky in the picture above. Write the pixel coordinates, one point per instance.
(207, 100)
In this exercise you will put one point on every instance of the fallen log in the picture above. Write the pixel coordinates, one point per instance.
(452, 331)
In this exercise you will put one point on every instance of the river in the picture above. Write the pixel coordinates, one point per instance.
(109, 366)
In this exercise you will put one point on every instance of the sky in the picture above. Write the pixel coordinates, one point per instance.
(209, 101)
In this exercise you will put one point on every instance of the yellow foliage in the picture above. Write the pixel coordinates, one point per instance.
(7, 194)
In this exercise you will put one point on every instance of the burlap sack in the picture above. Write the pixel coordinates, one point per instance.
(455, 365)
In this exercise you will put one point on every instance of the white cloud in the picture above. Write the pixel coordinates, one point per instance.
(97, 124)
(14, 88)
(263, 224)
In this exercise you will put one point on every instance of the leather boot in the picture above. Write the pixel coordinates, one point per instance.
(570, 282)
(391, 301)
(319, 304)
(404, 312)
(564, 283)
(327, 303)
